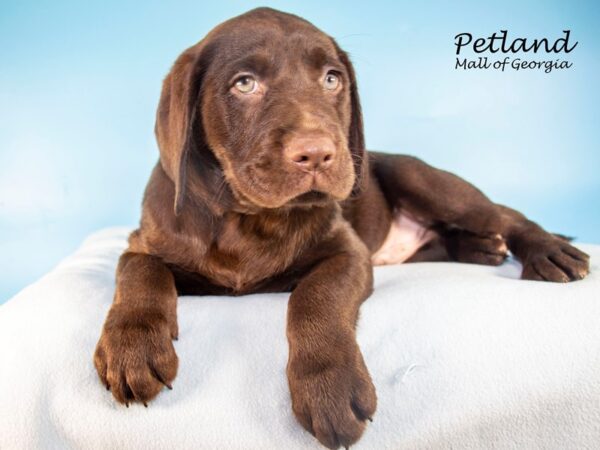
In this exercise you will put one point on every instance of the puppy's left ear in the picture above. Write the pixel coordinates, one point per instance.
(356, 137)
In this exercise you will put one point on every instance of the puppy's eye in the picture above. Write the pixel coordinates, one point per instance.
(331, 81)
(246, 84)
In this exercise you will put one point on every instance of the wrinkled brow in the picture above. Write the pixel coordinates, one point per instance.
(256, 64)
(318, 57)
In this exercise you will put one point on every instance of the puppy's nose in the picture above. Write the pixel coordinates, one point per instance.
(311, 154)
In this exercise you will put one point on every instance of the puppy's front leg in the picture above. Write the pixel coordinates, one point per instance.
(135, 357)
(332, 393)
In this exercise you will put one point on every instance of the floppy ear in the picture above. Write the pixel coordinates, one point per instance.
(176, 118)
(356, 137)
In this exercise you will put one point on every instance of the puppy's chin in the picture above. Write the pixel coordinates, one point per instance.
(310, 198)
(306, 196)
(307, 199)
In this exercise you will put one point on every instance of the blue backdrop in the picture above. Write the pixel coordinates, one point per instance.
(79, 84)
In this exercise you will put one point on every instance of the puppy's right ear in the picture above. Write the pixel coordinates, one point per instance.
(176, 117)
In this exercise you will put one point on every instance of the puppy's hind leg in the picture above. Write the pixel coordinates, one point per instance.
(475, 229)
(467, 247)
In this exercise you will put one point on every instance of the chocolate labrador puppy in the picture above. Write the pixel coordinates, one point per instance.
(264, 185)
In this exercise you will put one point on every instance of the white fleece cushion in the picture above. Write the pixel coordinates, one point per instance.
(462, 356)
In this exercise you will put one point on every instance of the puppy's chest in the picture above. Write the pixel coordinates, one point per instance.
(242, 255)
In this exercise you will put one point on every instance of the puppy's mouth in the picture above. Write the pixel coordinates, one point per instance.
(310, 198)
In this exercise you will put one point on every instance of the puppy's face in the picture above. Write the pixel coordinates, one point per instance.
(276, 111)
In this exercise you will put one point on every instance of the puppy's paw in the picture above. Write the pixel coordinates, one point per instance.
(135, 357)
(555, 260)
(467, 247)
(332, 401)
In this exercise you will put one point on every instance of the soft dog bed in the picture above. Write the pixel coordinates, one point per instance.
(463, 356)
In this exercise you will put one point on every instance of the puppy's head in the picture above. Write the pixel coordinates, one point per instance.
(267, 105)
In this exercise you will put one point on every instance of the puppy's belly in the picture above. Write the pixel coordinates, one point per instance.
(405, 237)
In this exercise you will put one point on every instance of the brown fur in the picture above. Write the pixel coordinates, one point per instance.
(226, 211)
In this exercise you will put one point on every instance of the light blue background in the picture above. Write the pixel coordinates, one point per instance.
(79, 84)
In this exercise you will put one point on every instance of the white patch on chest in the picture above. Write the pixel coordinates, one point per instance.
(405, 237)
